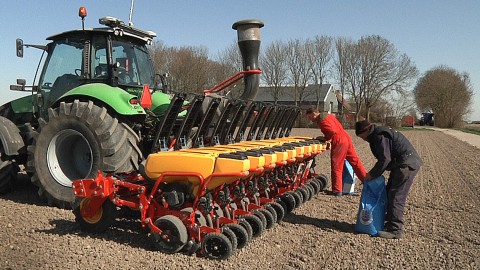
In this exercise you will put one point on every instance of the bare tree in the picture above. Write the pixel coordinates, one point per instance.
(401, 103)
(274, 67)
(340, 73)
(299, 67)
(371, 69)
(446, 93)
(383, 69)
(158, 54)
(190, 69)
(380, 111)
(231, 57)
(319, 55)
(230, 60)
(161, 56)
(349, 73)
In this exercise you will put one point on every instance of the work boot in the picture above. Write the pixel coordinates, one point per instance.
(337, 194)
(390, 234)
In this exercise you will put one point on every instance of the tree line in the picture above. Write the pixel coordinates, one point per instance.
(377, 79)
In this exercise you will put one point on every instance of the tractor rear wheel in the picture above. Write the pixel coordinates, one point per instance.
(79, 139)
(8, 173)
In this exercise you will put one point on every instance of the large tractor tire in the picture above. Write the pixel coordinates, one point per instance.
(79, 139)
(8, 173)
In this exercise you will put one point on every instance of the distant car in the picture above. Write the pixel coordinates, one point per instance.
(427, 119)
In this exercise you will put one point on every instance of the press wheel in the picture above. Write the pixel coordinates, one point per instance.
(216, 246)
(173, 235)
(289, 200)
(269, 219)
(255, 223)
(100, 221)
(231, 236)
(279, 209)
(240, 232)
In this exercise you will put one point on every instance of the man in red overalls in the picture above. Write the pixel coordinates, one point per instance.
(341, 148)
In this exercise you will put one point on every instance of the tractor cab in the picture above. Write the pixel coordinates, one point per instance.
(115, 55)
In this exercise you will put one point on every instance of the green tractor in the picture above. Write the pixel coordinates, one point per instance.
(99, 106)
(85, 113)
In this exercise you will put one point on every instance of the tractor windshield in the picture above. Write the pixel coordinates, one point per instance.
(133, 63)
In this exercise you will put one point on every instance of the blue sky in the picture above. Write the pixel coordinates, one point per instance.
(431, 33)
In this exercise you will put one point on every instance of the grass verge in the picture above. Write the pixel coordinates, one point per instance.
(469, 130)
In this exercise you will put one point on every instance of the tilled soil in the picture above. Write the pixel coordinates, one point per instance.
(442, 226)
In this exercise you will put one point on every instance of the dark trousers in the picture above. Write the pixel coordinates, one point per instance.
(398, 186)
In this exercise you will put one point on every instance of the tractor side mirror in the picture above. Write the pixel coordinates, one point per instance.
(21, 82)
(20, 86)
(19, 43)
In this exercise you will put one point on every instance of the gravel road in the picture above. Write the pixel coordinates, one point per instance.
(442, 226)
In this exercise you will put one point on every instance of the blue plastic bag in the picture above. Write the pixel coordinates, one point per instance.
(349, 179)
(373, 205)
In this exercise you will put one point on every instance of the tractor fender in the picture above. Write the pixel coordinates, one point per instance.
(117, 98)
(10, 137)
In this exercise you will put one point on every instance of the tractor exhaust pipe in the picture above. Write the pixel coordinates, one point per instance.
(248, 33)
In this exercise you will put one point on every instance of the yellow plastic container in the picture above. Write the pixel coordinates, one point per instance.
(207, 150)
(225, 166)
(282, 156)
(270, 159)
(175, 161)
(205, 164)
(255, 162)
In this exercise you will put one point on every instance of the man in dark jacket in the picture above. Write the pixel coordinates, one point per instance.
(396, 154)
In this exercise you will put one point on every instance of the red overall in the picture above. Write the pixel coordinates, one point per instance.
(341, 149)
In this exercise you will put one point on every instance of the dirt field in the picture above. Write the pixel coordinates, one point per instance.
(442, 226)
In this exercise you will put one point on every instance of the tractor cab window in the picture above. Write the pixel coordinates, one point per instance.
(133, 64)
(63, 69)
(99, 60)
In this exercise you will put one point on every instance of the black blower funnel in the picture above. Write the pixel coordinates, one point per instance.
(248, 32)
